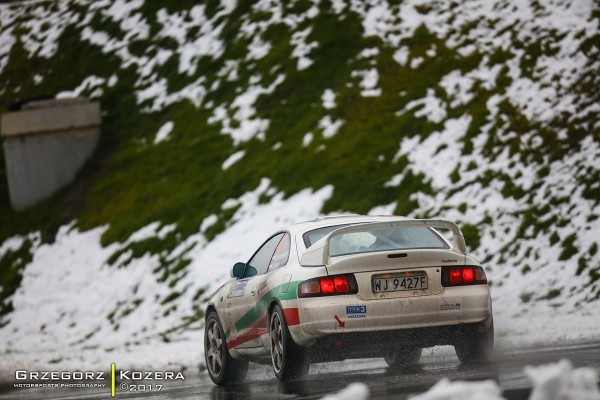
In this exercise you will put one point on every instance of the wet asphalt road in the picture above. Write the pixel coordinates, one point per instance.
(323, 379)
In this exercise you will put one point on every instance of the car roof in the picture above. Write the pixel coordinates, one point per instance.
(330, 220)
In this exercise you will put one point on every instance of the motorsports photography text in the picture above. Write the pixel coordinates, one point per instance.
(114, 381)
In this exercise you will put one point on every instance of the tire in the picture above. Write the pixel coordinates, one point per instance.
(222, 368)
(289, 360)
(402, 358)
(478, 346)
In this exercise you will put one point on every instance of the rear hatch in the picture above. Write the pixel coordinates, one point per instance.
(396, 258)
(393, 274)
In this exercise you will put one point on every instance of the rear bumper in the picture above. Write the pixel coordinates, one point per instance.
(429, 320)
(341, 346)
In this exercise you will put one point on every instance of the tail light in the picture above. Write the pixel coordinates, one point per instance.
(328, 286)
(463, 276)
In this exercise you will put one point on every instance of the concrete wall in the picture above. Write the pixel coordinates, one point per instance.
(45, 145)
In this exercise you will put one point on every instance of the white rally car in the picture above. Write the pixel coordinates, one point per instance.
(349, 287)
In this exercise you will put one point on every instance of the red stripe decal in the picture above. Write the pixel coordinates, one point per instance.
(253, 333)
(292, 317)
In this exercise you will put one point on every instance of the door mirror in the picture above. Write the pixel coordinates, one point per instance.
(238, 270)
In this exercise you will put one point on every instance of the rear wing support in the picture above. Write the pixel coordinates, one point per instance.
(318, 253)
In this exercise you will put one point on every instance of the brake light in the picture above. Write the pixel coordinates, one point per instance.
(328, 286)
(341, 284)
(461, 276)
(468, 275)
(455, 277)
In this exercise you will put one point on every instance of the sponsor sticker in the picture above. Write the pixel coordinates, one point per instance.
(451, 304)
(238, 289)
(356, 311)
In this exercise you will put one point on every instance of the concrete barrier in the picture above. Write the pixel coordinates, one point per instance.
(45, 144)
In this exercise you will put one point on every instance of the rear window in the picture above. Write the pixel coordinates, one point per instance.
(385, 239)
(314, 236)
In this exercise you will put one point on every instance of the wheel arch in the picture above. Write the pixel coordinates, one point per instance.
(211, 308)
(274, 302)
(290, 323)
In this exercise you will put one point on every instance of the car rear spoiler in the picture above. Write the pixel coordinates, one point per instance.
(318, 253)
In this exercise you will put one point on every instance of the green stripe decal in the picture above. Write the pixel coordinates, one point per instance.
(261, 305)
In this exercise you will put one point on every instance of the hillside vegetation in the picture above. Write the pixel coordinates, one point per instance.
(484, 112)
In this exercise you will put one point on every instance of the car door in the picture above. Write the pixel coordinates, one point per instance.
(246, 314)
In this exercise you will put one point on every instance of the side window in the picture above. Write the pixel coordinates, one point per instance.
(282, 253)
(259, 263)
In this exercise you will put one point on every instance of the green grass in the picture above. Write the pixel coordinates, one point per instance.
(130, 182)
(12, 263)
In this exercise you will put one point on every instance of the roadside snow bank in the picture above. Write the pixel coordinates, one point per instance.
(458, 390)
(561, 381)
(558, 381)
(354, 391)
(76, 310)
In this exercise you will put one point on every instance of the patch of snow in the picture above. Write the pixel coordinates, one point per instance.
(230, 70)
(244, 112)
(208, 222)
(401, 55)
(328, 99)
(133, 24)
(230, 203)
(329, 126)
(467, 50)
(164, 132)
(112, 81)
(206, 41)
(369, 53)
(232, 159)
(11, 244)
(165, 230)
(251, 28)
(431, 107)
(437, 156)
(395, 180)
(445, 389)
(158, 92)
(558, 381)
(258, 48)
(42, 39)
(432, 51)
(144, 233)
(561, 381)
(7, 39)
(376, 16)
(302, 49)
(458, 87)
(416, 62)
(91, 85)
(354, 391)
(368, 83)
(387, 209)
(307, 139)
(338, 6)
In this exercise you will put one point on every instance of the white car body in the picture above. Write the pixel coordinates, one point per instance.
(368, 322)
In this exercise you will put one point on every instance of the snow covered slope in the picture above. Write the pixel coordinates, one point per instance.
(224, 121)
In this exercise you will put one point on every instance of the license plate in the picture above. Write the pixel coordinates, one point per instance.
(399, 282)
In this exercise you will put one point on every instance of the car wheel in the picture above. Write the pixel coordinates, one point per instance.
(478, 347)
(403, 357)
(289, 360)
(222, 368)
